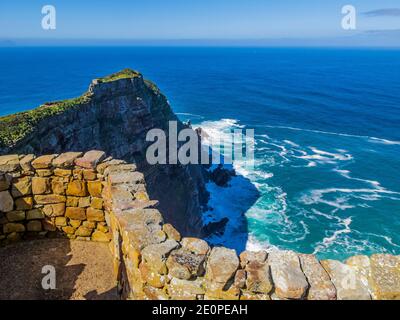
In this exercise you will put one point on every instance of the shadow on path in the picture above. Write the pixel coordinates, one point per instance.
(83, 270)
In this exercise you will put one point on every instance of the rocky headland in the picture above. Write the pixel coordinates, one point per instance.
(114, 116)
(76, 168)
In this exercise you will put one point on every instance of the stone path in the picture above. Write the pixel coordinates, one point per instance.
(83, 270)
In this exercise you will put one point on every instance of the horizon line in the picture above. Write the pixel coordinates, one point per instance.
(267, 43)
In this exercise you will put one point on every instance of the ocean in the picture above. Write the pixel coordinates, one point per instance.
(327, 132)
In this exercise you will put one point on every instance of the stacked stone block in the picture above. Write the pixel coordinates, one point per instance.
(88, 197)
(52, 194)
(153, 262)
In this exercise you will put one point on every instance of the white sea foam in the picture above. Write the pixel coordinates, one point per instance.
(324, 157)
(291, 143)
(368, 138)
(287, 151)
(383, 141)
(329, 240)
(316, 197)
(235, 200)
(346, 174)
(388, 239)
(196, 116)
(253, 244)
(325, 215)
(231, 202)
(286, 222)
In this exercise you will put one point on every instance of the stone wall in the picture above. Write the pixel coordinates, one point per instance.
(85, 195)
(152, 261)
(50, 195)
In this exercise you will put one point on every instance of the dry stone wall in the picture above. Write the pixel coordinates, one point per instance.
(46, 195)
(152, 261)
(90, 197)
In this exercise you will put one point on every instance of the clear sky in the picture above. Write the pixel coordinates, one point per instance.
(197, 19)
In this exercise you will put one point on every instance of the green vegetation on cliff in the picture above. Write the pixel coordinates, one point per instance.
(16, 126)
(123, 74)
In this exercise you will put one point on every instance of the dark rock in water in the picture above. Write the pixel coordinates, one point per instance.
(202, 133)
(221, 176)
(217, 228)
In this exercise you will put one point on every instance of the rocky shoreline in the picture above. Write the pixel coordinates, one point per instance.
(53, 179)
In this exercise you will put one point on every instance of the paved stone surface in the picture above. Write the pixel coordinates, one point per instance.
(83, 270)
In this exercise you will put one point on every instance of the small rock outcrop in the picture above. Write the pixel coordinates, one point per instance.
(221, 176)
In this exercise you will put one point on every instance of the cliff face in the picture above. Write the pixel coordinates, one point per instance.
(114, 116)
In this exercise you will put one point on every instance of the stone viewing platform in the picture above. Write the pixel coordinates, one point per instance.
(92, 197)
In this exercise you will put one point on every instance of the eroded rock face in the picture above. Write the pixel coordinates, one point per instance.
(289, 280)
(6, 201)
(349, 285)
(66, 160)
(321, 287)
(186, 290)
(258, 277)
(115, 117)
(385, 276)
(221, 265)
(249, 256)
(183, 264)
(8, 163)
(155, 255)
(196, 246)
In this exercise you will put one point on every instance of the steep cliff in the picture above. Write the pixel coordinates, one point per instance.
(114, 115)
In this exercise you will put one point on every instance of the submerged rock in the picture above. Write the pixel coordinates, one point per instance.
(221, 176)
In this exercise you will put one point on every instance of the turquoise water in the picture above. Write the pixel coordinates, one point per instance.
(327, 132)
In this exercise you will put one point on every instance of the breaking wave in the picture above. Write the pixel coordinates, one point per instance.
(309, 198)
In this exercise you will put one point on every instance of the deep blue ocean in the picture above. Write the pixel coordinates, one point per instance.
(327, 132)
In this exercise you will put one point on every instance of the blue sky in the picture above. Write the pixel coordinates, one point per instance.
(195, 19)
